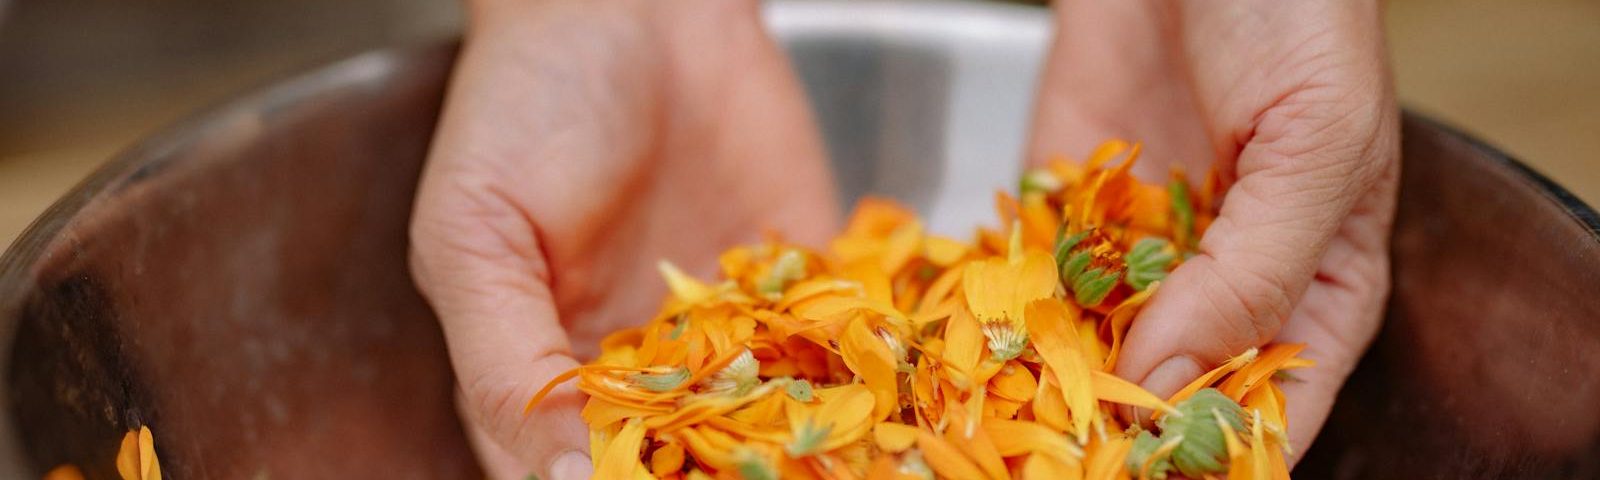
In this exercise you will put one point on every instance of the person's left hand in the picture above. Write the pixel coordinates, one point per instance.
(582, 142)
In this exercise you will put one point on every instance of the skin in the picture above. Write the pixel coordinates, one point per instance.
(583, 140)
(1292, 103)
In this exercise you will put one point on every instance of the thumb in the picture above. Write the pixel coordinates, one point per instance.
(479, 264)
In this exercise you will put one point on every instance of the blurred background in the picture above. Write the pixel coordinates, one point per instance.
(81, 79)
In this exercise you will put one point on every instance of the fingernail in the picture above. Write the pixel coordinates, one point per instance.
(1171, 375)
(571, 466)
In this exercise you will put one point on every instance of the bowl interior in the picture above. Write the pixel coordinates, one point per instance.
(239, 281)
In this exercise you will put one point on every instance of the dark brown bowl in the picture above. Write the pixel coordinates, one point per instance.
(239, 283)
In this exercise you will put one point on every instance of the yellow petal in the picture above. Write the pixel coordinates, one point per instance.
(1114, 389)
(599, 412)
(901, 247)
(944, 252)
(894, 437)
(866, 355)
(128, 457)
(667, 459)
(998, 290)
(1105, 460)
(1121, 318)
(945, 459)
(963, 342)
(874, 282)
(812, 288)
(1049, 408)
(846, 415)
(941, 288)
(1260, 461)
(1050, 325)
(64, 472)
(684, 287)
(1230, 366)
(621, 458)
(149, 467)
(1014, 382)
(708, 447)
(977, 446)
(1046, 467)
(1016, 438)
(1252, 375)
(1268, 402)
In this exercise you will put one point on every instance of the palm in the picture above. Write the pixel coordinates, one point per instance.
(582, 143)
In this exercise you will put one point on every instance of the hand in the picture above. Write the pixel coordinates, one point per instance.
(581, 142)
(1292, 102)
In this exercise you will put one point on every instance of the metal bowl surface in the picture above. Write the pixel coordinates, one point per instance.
(239, 281)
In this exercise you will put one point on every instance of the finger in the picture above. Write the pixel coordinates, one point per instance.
(1305, 155)
(1110, 74)
(497, 463)
(477, 255)
(499, 323)
(1341, 312)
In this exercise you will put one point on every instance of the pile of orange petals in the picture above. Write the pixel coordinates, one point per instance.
(898, 354)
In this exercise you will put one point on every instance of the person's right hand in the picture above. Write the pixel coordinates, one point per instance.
(1292, 102)
(582, 141)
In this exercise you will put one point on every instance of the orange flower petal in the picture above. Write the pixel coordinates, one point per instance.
(1046, 467)
(942, 251)
(128, 456)
(1114, 389)
(600, 413)
(64, 472)
(1014, 382)
(1050, 324)
(963, 342)
(1015, 438)
(667, 459)
(621, 458)
(945, 459)
(871, 359)
(1105, 460)
(1233, 364)
(894, 437)
(1121, 318)
(1049, 407)
(1269, 362)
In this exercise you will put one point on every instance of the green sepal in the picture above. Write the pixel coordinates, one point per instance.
(660, 382)
(1091, 287)
(1145, 445)
(1038, 180)
(1065, 244)
(789, 267)
(679, 328)
(1147, 262)
(1074, 266)
(807, 439)
(1182, 211)
(1204, 450)
(753, 467)
(800, 390)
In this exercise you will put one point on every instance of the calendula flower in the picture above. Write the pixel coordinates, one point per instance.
(896, 354)
(999, 288)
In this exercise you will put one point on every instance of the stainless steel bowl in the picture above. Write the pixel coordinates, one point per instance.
(239, 281)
